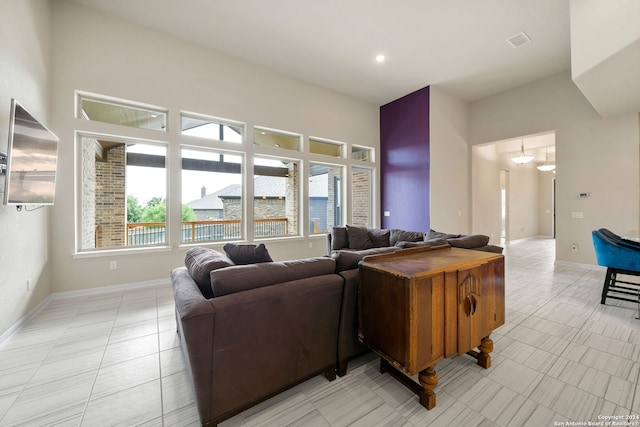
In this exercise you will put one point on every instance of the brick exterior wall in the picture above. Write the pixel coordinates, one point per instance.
(293, 197)
(360, 198)
(110, 198)
(88, 220)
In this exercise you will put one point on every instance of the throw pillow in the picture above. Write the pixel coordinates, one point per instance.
(339, 238)
(379, 237)
(200, 262)
(358, 237)
(247, 254)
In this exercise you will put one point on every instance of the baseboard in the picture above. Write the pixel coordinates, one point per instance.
(30, 315)
(79, 293)
(109, 289)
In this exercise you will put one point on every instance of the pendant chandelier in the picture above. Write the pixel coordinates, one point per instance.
(522, 157)
(546, 166)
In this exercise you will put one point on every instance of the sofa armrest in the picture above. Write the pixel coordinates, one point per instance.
(195, 317)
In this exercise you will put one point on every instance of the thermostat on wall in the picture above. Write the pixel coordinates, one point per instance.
(584, 195)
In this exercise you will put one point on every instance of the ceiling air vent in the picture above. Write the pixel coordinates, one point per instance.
(518, 40)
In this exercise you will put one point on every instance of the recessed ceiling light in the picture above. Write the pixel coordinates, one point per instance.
(380, 58)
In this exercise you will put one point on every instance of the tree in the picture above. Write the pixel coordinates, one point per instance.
(157, 212)
(155, 201)
(188, 214)
(134, 210)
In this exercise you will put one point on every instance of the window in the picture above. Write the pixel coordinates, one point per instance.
(123, 193)
(362, 154)
(269, 138)
(361, 197)
(327, 148)
(122, 114)
(325, 198)
(123, 199)
(211, 128)
(211, 195)
(276, 197)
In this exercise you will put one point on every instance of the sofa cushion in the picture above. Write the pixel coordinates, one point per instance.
(398, 235)
(469, 242)
(434, 242)
(247, 254)
(347, 260)
(432, 234)
(200, 262)
(339, 238)
(379, 237)
(244, 277)
(358, 237)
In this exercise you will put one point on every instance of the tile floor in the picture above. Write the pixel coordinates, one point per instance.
(114, 359)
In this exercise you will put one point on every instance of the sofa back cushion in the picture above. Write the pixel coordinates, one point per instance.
(398, 235)
(358, 237)
(348, 259)
(242, 254)
(244, 277)
(200, 262)
(433, 234)
(380, 238)
(469, 242)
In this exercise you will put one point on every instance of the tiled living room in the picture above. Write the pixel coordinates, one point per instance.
(298, 94)
(114, 359)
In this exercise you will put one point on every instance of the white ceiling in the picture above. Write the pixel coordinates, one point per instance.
(459, 45)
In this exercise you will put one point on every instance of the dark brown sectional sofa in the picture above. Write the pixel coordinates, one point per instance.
(252, 330)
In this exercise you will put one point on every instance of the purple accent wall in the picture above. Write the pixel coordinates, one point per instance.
(404, 162)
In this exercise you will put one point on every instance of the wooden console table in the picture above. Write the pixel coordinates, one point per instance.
(418, 306)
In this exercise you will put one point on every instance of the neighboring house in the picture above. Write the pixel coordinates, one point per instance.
(209, 206)
(269, 201)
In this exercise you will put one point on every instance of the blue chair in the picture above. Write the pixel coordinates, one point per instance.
(621, 257)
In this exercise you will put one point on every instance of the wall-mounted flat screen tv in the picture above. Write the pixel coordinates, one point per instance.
(32, 158)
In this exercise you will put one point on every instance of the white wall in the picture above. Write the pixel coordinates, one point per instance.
(485, 192)
(593, 155)
(24, 70)
(104, 55)
(545, 203)
(448, 119)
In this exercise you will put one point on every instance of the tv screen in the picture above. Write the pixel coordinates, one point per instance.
(32, 157)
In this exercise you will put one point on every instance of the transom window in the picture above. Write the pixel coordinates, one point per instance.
(121, 114)
(211, 128)
(269, 138)
(326, 148)
(363, 154)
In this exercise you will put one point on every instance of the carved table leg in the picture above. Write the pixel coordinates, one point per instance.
(428, 380)
(485, 347)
